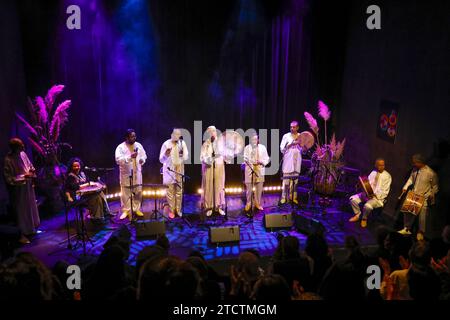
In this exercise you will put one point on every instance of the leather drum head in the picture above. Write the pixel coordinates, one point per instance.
(306, 139)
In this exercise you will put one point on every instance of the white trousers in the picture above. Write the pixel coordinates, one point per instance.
(289, 189)
(368, 207)
(258, 193)
(174, 197)
(125, 198)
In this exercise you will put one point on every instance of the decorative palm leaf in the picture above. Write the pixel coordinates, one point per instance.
(28, 126)
(311, 122)
(333, 143)
(325, 114)
(51, 96)
(59, 120)
(36, 146)
(42, 111)
(339, 149)
(324, 111)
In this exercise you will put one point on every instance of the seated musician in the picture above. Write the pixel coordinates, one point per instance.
(76, 181)
(423, 181)
(380, 181)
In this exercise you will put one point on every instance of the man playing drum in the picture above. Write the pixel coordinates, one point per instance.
(423, 181)
(292, 162)
(380, 181)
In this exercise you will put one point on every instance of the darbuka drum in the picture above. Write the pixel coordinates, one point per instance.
(92, 188)
(413, 203)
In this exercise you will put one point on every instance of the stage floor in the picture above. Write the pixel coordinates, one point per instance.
(183, 238)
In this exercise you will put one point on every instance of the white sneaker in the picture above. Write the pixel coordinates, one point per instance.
(209, 213)
(404, 232)
(221, 212)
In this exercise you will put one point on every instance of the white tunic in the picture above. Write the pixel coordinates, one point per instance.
(383, 185)
(173, 161)
(253, 154)
(292, 157)
(126, 163)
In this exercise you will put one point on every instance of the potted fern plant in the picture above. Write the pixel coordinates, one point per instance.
(327, 157)
(44, 128)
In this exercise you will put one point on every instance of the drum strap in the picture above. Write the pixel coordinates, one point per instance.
(415, 179)
(377, 177)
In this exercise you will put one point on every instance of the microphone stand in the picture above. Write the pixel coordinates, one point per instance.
(253, 174)
(131, 177)
(213, 181)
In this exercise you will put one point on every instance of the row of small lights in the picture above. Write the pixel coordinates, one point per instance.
(241, 190)
(158, 193)
(162, 192)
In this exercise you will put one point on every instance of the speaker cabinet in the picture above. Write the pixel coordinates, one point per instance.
(149, 229)
(224, 234)
(278, 221)
(307, 225)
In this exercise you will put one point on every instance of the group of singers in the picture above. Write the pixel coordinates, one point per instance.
(130, 156)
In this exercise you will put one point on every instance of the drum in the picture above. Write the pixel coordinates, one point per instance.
(306, 140)
(413, 203)
(365, 185)
(230, 144)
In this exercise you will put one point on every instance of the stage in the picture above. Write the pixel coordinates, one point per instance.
(49, 245)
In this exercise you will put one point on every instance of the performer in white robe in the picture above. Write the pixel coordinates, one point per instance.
(423, 181)
(255, 155)
(130, 156)
(174, 153)
(18, 171)
(292, 163)
(213, 183)
(380, 181)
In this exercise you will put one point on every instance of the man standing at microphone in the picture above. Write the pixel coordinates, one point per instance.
(213, 174)
(130, 156)
(173, 154)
